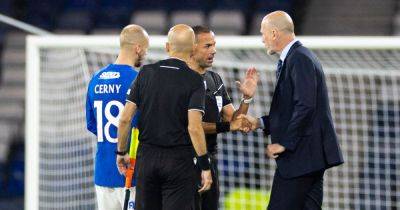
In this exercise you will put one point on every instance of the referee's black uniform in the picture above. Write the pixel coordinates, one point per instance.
(165, 171)
(216, 98)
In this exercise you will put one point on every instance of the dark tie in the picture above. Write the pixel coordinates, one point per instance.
(279, 69)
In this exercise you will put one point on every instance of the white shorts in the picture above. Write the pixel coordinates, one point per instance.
(113, 198)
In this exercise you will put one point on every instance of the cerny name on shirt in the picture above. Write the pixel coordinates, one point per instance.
(107, 88)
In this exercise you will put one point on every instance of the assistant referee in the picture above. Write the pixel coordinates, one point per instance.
(170, 99)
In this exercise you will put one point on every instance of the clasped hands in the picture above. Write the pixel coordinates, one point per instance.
(246, 123)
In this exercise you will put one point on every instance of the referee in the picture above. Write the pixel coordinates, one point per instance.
(170, 99)
(220, 115)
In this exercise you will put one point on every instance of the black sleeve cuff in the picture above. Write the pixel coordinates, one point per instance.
(204, 162)
(222, 127)
(265, 119)
(121, 153)
(289, 145)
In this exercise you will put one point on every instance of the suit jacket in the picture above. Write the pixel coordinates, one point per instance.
(300, 118)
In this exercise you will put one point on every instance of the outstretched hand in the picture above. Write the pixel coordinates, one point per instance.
(248, 85)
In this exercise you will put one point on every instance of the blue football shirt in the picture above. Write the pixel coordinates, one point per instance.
(106, 96)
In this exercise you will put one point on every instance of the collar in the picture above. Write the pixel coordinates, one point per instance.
(285, 50)
(177, 58)
(122, 66)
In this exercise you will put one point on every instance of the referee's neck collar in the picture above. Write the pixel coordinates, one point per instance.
(177, 59)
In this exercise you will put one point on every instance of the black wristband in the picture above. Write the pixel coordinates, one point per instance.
(204, 162)
(121, 153)
(222, 127)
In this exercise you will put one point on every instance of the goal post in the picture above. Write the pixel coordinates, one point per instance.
(32, 126)
(363, 79)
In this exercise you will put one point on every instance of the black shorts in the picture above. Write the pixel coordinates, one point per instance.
(165, 178)
(209, 200)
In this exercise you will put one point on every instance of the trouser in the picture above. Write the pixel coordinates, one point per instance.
(300, 193)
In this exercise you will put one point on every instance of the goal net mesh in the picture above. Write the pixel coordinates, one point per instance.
(364, 91)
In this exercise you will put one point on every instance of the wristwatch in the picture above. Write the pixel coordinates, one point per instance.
(247, 101)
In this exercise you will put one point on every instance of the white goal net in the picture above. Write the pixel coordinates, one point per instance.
(363, 79)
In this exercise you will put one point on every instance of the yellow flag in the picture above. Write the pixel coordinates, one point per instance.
(134, 143)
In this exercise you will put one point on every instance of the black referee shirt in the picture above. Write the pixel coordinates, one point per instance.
(216, 98)
(164, 92)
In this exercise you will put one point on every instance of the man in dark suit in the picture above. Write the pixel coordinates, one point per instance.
(304, 141)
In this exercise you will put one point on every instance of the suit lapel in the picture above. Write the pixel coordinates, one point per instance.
(282, 74)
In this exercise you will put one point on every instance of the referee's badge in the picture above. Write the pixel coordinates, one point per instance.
(219, 102)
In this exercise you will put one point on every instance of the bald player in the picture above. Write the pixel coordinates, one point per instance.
(170, 98)
(105, 100)
(303, 139)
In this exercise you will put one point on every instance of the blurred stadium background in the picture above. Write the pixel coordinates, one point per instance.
(379, 168)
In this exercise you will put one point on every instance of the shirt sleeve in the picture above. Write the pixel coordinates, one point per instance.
(197, 97)
(90, 117)
(226, 99)
(134, 91)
